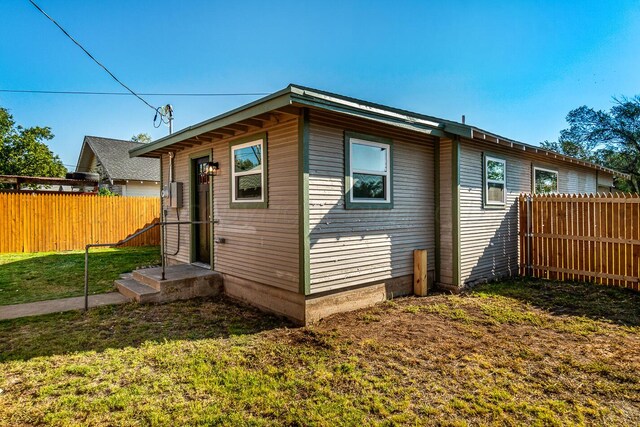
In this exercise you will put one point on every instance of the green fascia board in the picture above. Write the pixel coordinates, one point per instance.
(264, 105)
(359, 104)
(368, 115)
(305, 96)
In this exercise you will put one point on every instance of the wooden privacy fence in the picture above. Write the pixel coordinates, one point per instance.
(67, 221)
(592, 238)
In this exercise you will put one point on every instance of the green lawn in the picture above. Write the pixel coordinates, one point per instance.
(48, 275)
(534, 353)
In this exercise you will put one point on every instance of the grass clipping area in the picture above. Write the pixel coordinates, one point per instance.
(29, 277)
(535, 353)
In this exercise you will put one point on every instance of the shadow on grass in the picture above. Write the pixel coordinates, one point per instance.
(44, 276)
(617, 305)
(130, 325)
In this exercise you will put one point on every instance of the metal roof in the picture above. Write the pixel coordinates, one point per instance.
(304, 96)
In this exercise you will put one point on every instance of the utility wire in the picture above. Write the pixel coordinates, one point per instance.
(94, 59)
(71, 92)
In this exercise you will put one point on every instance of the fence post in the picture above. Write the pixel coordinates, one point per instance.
(86, 278)
(420, 272)
(529, 233)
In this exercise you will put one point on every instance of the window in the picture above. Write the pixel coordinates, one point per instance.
(495, 179)
(368, 172)
(545, 181)
(248, 173)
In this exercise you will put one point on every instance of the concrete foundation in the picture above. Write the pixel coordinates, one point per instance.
(185, 281)
(324, 305)
(268, 298)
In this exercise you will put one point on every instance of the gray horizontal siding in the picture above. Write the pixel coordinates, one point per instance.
(489, 237)
(351, 247)
(261, 244)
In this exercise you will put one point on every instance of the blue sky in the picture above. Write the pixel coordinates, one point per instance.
(514, 67)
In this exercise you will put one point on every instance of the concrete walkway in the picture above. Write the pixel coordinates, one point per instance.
(58, 305)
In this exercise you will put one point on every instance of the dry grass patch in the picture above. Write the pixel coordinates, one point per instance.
(29, 277)
(516, 353)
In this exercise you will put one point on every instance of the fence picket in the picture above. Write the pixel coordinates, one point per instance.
(58, 222)
(594, 237)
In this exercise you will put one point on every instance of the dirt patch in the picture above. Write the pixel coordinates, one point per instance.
(515, 353)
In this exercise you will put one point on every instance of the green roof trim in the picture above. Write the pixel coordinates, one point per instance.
(307, 97)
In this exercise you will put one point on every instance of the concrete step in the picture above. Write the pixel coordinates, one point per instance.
(137, 291)
(181, 281)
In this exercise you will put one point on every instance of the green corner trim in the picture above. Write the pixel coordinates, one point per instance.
(192, 202)
(304, 254)
(437, 210)
(347, 172)
(265, 173)
(455, 181)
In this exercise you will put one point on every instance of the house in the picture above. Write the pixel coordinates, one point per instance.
(119, 172)
(320, 199)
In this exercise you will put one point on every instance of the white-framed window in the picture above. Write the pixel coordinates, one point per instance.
(495, 181)
(368, 174)
(248, 172)
(545, 181)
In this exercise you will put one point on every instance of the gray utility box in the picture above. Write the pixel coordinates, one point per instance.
(173, 194)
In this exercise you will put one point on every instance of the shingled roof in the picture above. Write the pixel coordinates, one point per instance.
(113, 155)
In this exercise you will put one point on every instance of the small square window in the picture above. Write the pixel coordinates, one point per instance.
(545, 181)
(368, 172)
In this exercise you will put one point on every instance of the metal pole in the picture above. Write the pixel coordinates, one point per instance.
(86, 278)
(162, 243)
(211, 217)
(162, 217)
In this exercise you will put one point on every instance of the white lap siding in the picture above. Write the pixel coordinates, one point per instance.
(353, 247)
(489, 237)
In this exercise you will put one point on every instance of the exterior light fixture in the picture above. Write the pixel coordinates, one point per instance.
(212, 169)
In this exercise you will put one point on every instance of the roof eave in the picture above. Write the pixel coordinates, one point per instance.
(304, 96)
(358, 108)
(484, 136)
(271, 102)
(85, 144)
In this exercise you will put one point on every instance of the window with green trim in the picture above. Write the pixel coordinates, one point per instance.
(495, 181)
(247, 173)
(368, 172)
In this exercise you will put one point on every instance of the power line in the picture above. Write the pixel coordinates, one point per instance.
(72, 92)
(94, 59)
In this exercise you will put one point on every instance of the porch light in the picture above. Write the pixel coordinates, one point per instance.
(212, 168)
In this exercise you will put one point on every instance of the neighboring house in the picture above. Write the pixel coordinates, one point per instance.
(328, 196)
(118, 171)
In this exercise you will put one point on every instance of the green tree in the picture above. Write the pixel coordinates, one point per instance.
(143, 138)
(23, 150)
(610, 138)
